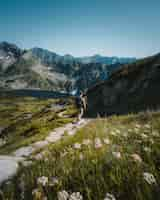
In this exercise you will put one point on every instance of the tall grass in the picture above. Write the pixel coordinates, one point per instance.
(108, 157)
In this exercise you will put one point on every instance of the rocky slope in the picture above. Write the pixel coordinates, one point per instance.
(9, 54)
(133, 88)
(41, 69)
(22, 70)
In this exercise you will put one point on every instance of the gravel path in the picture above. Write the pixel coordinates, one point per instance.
(9, 164)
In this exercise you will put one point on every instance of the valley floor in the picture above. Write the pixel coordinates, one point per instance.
(115, 158)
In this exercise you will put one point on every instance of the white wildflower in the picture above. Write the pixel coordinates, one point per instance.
(149, 178)
(124, 134)
(138, 126)
(136, 157)
(116, 154)
(97, 143)
(143, 135)
(77, 146)
(76, 196)
(22, 186)
(109, 197)
(106, 141)
(155, 133)
(147, 149)
(46, 159)
(151, 141)
(63, 154)
(117, 131)
(72, 132)
(63, 195)
(42, 180)
(38, 156)
(113, 133)
(81, 157)
(147, 126)
(2, 142)
(37, 193)
(87, 142)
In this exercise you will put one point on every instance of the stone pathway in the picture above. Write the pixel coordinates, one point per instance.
(9, 164)
(8, 167)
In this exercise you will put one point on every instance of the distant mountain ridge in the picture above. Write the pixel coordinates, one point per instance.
(51, 57)
(38, 68)
(106, 60)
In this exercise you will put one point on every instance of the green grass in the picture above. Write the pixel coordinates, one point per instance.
(27, 120)
(112, 168)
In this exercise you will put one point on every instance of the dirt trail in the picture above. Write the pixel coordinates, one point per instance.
(9, 164)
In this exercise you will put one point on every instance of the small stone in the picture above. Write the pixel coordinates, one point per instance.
(40, 144)
(8, 167)
(24, 151)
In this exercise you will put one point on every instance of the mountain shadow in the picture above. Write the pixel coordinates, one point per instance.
(134, 87)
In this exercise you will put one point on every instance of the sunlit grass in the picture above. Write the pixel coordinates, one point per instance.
(26, 120)
(108, 158)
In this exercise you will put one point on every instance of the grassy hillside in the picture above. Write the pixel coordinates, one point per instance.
(24, 120)
(132, 88)
(113, 158)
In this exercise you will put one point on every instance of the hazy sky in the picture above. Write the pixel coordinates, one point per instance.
(83, 27)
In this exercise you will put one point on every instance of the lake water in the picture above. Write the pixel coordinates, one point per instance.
(33, 93)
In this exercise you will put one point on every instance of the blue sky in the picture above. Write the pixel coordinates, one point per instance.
(83, 27)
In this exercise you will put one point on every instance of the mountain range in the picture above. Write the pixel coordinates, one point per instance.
(38, 68)
(50, 57)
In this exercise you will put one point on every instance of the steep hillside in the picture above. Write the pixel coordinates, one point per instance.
(21, 70)
(132, 88)
(28, 74)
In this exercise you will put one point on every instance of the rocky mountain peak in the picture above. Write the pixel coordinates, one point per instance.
(10, 49)
(9, 53)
